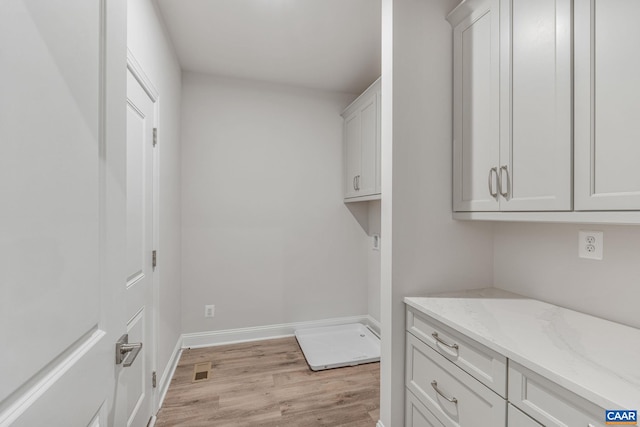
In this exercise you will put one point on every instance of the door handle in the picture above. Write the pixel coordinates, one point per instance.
(126, 353)
(493, 170)
(504, 194)
(354, 183)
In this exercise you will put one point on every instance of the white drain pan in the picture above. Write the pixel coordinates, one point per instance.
(337, 346)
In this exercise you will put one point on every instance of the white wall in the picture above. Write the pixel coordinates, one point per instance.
(423, 250)
(373, 261)
(541, 261)
(267, 238)
(148, 42)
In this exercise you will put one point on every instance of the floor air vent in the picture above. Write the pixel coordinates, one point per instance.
(201, 372)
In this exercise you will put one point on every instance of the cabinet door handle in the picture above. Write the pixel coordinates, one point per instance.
(354, 184)
(358, 182)
(443, 342)
(493, 170)
(504, 194)
(434, 384)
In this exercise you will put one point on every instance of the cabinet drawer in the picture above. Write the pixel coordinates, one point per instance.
(549, 403)
(417, 415)
(517, 418)
(484, 364)
(452, 395)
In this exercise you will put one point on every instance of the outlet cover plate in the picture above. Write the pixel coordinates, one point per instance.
(209, 310)
(590, 244)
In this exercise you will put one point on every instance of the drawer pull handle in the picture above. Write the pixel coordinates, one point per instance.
(434, 384)
(441, 341)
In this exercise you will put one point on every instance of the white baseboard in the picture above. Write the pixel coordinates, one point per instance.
(374, 324)
(379, 424)
(167, 375)
(232, 336)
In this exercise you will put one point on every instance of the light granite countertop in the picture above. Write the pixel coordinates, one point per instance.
(596, 359)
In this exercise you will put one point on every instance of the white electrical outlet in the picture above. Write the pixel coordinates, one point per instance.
(590, 244)
(209, 310)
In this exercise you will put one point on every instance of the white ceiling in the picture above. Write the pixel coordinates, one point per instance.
(321, 44)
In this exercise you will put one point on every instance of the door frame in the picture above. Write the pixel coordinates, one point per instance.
(145, 82)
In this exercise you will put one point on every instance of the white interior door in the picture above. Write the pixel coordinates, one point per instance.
(139, 287)
(59, 227)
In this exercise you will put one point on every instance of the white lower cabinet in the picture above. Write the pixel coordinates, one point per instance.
(549, 403)
(453, 396)
(517, 418)
(440, 390)
(418, 415)
(482, 363)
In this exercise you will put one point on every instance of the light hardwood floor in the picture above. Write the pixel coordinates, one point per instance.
(268, 383)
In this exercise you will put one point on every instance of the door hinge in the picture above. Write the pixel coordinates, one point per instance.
(155, 136)
(154, 381)
(154, 258)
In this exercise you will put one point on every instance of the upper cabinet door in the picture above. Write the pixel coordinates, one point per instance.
(352, 153)
(535, 150)
(369, 136)
(607, 116)
(476, 105)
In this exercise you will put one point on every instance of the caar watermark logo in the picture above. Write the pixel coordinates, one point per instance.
(621, 417)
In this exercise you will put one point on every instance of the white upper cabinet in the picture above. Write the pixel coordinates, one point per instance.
(565, 106)
(476, 130)
(535, 144)
(362, 146)
(512, 105)
(607, 115)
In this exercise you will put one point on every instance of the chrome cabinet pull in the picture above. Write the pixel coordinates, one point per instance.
(358, 182)
(126, 353)
(354, 184)
(504, 194)
(434, 384)
(493, 170)
(443, 342)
